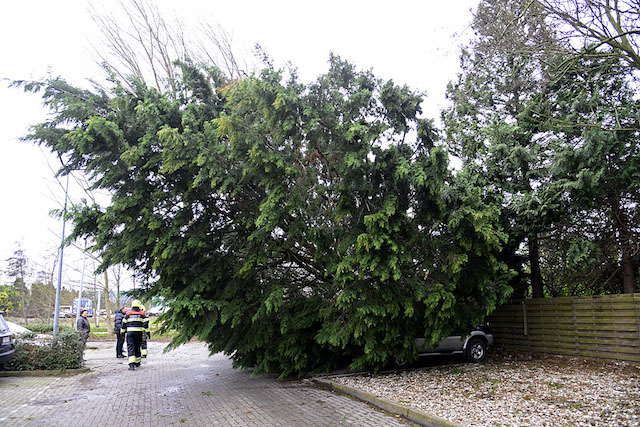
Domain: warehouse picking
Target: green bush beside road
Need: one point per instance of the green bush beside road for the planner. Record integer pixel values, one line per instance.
(59, 353)
(47, 328)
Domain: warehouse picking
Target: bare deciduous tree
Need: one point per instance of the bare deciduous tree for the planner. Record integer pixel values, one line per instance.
(141, 43)
(599, 23)
(107, 302)
(116, 271)
(559, 32)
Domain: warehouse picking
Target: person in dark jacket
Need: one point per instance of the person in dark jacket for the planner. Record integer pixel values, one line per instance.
(117, 328)
(83, 327)
(146, 335)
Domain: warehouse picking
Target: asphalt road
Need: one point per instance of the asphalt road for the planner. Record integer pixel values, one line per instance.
(185, 386)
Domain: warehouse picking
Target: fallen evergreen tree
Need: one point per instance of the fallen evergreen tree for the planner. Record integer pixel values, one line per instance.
(295, 227)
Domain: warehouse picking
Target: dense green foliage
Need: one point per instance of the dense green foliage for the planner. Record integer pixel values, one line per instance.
(62, 352)
(591, 117)
(552, 133)
(297, 227)
(9, 298)
(483, 129)
(293, 226)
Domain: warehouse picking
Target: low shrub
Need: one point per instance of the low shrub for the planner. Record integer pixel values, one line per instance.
(28, 335)
(62, 352)
(46, 328)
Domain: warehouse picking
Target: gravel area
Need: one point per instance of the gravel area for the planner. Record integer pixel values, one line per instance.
(515, 389)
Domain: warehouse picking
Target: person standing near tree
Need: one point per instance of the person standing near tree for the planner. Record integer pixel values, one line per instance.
(117, 329)
(83, 327)
(146, 335)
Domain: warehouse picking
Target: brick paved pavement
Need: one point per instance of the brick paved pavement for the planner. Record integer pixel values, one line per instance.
(181, 387)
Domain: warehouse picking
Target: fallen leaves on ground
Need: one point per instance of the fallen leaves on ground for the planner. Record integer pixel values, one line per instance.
(516, 388)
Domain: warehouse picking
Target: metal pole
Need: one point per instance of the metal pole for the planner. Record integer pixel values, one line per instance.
(84, 258)
(97, 296)
(97, 310)
(56, 316)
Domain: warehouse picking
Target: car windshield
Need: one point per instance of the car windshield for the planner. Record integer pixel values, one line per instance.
(3, 324)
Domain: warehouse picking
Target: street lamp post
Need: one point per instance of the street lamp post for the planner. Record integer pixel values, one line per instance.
(84, 258)
(56, 316)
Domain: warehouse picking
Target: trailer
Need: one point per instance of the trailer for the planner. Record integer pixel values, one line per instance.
(86, 304)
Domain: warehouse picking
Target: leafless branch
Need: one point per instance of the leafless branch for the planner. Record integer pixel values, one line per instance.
(145, 46)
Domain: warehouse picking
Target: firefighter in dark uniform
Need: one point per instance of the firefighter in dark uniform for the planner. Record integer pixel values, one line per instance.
(135, 324)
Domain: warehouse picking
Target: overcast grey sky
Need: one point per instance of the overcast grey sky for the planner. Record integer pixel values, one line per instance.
(411, 42)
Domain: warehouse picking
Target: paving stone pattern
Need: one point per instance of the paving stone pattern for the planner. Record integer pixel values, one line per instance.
(182, 387)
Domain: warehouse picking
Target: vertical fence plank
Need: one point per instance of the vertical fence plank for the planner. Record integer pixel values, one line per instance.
(636, 309)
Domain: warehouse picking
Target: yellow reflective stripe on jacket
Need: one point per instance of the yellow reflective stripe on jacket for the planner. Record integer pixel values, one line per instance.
(135, 321)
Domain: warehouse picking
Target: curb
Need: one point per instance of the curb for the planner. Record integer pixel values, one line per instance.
(44, 373)
(414, 415)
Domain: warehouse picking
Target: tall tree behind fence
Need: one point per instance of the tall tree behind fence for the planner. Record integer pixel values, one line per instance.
(606, 327)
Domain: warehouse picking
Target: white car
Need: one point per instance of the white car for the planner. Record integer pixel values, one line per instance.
(63, 315)
(7, 342)
(157, 311)
(17, 329)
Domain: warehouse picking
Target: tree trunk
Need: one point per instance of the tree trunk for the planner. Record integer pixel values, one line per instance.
(24, 305)
(534, 263)
(624, 242)
(107, 303)
(116, 275)
(628, 273)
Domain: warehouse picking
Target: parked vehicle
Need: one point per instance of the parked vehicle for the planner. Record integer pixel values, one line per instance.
(157, 311)
(7, 342)
(85, 304)
(63, 315)
(17, 329)
(473, 346)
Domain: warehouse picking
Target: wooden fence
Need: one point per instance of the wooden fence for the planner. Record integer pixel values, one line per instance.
(606, 327)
